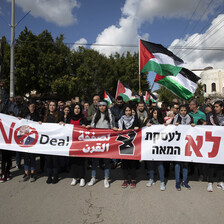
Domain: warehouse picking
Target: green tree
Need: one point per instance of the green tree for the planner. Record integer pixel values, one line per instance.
(39, 61)
(47, 65)
(5, 70)
(53, 61)
(199, 93)
(166, 95)
(65, 87)
(125, 68)
(26, 62)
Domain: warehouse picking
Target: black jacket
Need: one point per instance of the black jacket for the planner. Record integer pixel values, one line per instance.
(118, 112)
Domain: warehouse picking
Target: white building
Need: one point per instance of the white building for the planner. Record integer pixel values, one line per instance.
(213, 81)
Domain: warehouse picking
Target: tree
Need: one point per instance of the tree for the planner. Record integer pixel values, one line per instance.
(166, 95)
(47, 65)
(5, 70)
(39, 61)
(125, 68)
(53, 61)
(26, 63)
(199, 93)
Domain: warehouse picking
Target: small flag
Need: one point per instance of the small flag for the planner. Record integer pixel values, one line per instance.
(147, 97)
(124, 91)
(108, 98)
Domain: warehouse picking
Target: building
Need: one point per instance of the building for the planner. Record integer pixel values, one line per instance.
(213, 82)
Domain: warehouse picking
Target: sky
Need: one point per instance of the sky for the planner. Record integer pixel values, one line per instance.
(176, 24)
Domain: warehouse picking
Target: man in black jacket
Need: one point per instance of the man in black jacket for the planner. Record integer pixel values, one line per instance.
(118, 109)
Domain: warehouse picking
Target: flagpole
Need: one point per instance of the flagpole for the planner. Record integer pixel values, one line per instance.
(116, 89)
(139, 76)
(140, 83)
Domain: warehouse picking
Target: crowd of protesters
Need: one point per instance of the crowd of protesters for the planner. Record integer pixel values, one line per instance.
(118, 116)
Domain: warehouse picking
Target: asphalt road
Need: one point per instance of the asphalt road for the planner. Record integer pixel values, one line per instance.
(25, 202)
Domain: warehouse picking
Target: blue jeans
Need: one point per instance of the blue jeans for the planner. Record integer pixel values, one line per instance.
(177, 171)
(95, 162)
(151, 168)
(29, 161)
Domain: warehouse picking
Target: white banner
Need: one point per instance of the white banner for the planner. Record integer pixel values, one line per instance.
(28, 136)
(202, 144)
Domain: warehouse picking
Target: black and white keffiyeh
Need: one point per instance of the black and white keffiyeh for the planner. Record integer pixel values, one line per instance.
(126, 122)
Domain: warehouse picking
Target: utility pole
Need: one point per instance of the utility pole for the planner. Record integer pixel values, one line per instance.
(1, 57)
(12, 51)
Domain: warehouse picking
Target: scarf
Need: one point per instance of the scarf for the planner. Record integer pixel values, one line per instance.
(182, 120)
(74, 116)
(126, 121)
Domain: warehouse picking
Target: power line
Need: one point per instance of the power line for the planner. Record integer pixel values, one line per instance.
(196, 42)
(128, 45)
(192, 16)
(202, 30)
(202, 15)
(204, 38)
(190, 20)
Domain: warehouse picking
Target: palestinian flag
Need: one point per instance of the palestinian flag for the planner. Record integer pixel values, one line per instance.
(183, 84)
(124, 91)
(169, 69)
(155, 57)
(148, 97)
(108, 98)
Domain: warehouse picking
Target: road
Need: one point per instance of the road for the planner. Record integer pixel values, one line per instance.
(25, 202)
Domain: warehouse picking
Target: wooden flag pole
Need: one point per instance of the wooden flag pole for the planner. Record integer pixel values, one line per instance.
(139, 74)
(139, 82)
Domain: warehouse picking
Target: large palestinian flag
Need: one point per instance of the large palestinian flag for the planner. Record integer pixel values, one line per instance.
(124, 91)
(169, 69)
(183, 85)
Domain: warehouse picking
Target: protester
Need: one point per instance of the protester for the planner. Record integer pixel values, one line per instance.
(155, 118)
(61, 105)
(29, 113)
(217, 118)
(66, 113)
(85, 109)
(118, 109)
(52, 161)
(77, 163)
(195, 112)
(6, 162)
(129, 121)
(142, 113)
(208, 112)
(14, 105)
(207, 103)
(164, 108)
(103, 118)
(63, 160)
(174, 107)
(93, 108)
(68, 103)
(182, 118)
